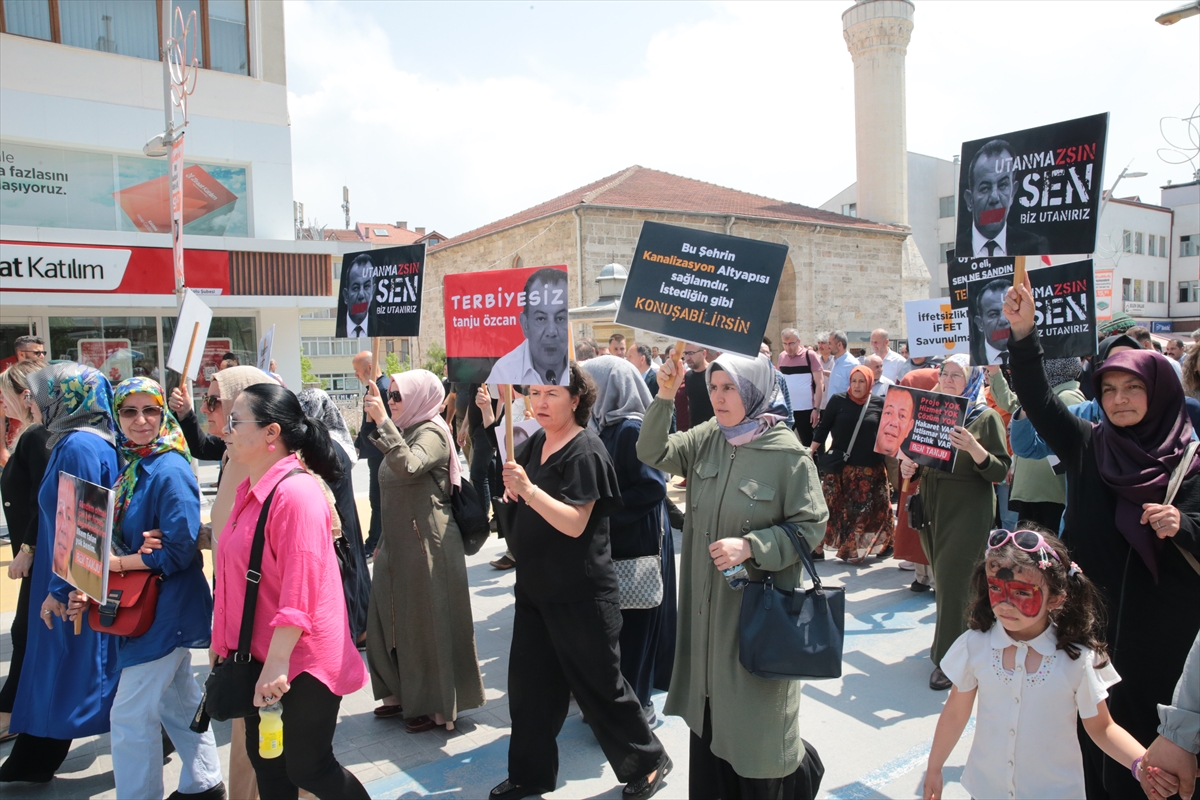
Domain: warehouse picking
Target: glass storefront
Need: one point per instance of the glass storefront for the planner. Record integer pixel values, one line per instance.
(9, 332)
(120, 347)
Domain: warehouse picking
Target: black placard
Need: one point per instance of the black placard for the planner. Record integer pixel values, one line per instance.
(1032, 192)
(381, 292)
(701, 287)
(962, 271)
(1065, 313)
(917, 424)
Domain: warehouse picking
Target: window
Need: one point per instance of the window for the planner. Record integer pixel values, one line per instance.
(132, 27)
(327, 346)
(1127, 242)
(1137, 243)
(946, 206)
(1189, 245)
(318, 313)
(120, 347)
(1189, 291)
(1162, 291)
(944, 251)
(1162, 246)
(1137, 290)
(1152, 241)
(1126, 283)
(850, 209)
(379, 231)
(344, 382)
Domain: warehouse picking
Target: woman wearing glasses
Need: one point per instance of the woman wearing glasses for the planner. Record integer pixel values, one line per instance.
(960, 505)
(420, 635)
(68, 680)
(301, 632)
(157, 491)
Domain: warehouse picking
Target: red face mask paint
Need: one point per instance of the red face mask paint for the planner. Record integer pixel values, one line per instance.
(359, 308)
(992, 215)
(1001, 333)
(1025, 597)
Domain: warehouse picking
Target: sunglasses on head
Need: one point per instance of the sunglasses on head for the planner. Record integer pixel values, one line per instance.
(1029, 541)
(210, 403)
(394, 396)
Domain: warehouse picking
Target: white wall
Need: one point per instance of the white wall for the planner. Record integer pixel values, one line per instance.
(1185, 201)
(1117, 217)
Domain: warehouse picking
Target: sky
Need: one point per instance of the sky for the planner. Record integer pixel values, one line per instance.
(453, 115)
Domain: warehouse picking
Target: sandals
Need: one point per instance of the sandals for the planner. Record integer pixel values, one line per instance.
(642, 788)
(510, 791)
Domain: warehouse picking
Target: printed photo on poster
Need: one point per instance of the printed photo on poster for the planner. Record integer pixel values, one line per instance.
(1032, 192)
(702, 287)
(962, 271)
(508, 326)
(83, 535)
(916, 424)
(381, 292)
(1064, 299)
(935, 328)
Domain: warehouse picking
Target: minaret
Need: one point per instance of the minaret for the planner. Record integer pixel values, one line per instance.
(877, 33)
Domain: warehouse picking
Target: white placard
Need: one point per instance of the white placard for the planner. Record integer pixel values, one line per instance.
(522, 430)
(265, 345)
(194, 317)
(935, 329)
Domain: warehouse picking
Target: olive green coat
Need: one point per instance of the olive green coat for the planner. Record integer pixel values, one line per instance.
(420, 635)
(1034, 480)
(735, 491)
(961, 508)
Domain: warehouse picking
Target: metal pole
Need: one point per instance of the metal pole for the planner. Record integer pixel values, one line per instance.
(168, 107)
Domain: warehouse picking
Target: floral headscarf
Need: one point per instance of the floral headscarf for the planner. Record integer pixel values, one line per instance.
(170, 437)
(755, 380)
(317, 404)
(73, 397)
(976, 403)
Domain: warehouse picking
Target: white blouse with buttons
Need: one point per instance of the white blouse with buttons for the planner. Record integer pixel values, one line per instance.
(1025, 725)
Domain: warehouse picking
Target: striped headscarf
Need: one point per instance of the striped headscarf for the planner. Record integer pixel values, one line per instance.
(170, 437)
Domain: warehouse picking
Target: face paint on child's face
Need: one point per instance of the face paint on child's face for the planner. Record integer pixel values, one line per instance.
(1025, 597)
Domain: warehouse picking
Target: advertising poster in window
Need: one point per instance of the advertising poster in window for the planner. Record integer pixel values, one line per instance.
(1032, 192)
(702, 287)
(916, 424)
(1065, 313)
(83, 535)
(508, 326)
(113, 357)
(210, 360)
(1104, 294)
(380, 292)
(53, 188)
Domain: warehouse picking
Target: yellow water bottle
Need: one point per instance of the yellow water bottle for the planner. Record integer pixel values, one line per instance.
(270, 731)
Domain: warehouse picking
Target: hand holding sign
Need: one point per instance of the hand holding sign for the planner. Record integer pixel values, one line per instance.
(516, 482)
(669, 375)
(963, 439)
(179, 402)
(51, 608)
(1019, 309)
(373, 404)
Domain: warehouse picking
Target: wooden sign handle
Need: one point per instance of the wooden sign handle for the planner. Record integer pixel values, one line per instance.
(79, 621)
(375, 355)
(508, 423)
(1018, 270)
(904, 486)
(187, 362)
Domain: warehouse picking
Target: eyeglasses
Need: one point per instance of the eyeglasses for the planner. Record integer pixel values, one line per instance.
(395, 397)
(231, 423)
(210, 403)
(1029, 541)
(151, 413)
(38, 353)
(690, 352)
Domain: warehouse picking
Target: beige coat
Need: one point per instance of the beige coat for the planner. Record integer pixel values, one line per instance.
(420, 635)
(735, 491)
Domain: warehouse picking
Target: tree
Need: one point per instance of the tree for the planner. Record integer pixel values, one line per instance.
(393, 364)
(307, 376)
(436, 360)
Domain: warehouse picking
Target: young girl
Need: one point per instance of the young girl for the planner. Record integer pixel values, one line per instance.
(1042, 666)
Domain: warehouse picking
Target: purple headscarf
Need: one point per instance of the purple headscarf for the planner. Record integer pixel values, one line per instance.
(1136, 461)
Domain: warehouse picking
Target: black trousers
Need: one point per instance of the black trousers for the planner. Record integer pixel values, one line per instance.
(560, 649)
(20, 635)
(712, 778)
(376, 527)
(803, 426)
(310, 712)
(1048, 515)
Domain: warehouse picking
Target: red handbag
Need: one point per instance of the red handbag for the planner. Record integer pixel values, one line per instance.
(130, 607)
(907, 542)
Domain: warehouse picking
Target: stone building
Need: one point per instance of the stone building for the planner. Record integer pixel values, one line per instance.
(841, 272)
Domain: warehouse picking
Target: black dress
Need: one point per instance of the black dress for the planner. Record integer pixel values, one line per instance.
(1151, 625)
(566, 623)
(356, 579)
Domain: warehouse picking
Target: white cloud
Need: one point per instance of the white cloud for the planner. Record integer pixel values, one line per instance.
(758, 97)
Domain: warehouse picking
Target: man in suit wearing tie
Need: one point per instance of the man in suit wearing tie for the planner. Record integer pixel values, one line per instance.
(989, 196)
(358, 290)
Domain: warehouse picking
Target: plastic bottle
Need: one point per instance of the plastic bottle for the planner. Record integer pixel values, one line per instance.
(270, 731)
(737, 576)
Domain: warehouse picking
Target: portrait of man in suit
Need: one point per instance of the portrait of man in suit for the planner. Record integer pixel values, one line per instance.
(990, 328)
(355, 299)
(991, 185)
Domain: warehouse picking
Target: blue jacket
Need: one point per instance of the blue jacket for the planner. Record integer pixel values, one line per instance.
(1027, 443)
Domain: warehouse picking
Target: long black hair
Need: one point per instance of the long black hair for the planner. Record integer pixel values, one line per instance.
(301, 434)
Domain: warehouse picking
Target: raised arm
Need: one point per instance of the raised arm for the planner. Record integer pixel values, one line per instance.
(428, 450)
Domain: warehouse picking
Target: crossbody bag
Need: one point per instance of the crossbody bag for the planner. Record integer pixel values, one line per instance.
(833, 461)
(1173, 489)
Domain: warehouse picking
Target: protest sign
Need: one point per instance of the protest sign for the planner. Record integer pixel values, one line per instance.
(917, 424)
(190, 332)
(508, 326)
(1032, 192)
(83, 535)
(1065, 313)
(962, 271)
(522, 430)
(935, 328)
(381, 292)
(265, 345)
(707, 288)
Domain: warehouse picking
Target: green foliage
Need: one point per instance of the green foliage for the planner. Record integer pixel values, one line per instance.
(307, 376)
(393, 364)
(435, 360)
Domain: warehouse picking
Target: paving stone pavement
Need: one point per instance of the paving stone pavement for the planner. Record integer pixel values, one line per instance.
(872, 727)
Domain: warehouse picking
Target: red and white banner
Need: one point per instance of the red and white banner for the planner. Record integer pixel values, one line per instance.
(37, 267)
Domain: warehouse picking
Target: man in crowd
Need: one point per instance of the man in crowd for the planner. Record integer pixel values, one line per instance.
(366, 371)
(1175, 349)
(1142, 334)
(585, 349)
(699, 406)
(843, 363)
(805, 380)
(655, 357)
(892, 361)
(639, 356)
(918, 362)
(616, 345)
(30, 348)
(882, 382)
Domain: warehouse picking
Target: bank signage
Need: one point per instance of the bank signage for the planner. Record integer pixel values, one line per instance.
(61, 269)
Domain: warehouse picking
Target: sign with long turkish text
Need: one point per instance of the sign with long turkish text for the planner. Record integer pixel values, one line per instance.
(935, 328)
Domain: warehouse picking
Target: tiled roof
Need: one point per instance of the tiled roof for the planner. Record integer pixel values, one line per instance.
(392, 234)
(638, 187)
(339, 235)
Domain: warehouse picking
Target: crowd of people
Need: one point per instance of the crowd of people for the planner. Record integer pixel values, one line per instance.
(1062, 550)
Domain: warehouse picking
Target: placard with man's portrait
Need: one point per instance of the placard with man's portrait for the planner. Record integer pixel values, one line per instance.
(380, 293)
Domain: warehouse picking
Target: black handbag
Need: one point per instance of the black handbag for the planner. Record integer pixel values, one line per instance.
(229, 689)
(915, 507)
(792, 635)
(471, 516)
(832, 461)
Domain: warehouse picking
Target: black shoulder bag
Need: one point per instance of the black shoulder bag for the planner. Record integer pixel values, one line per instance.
(834, 460)
(229, 689)
(470, 515)
(792, 635)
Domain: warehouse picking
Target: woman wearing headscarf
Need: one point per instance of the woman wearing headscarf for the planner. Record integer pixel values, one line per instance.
(858, 495)
(157, 491)
(357, 581)
(1039, 494)
(960, 505)
(640, 527)
(420, 634)
(1139, 550)
(67, 681)
(19, 487)
(746, 473)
